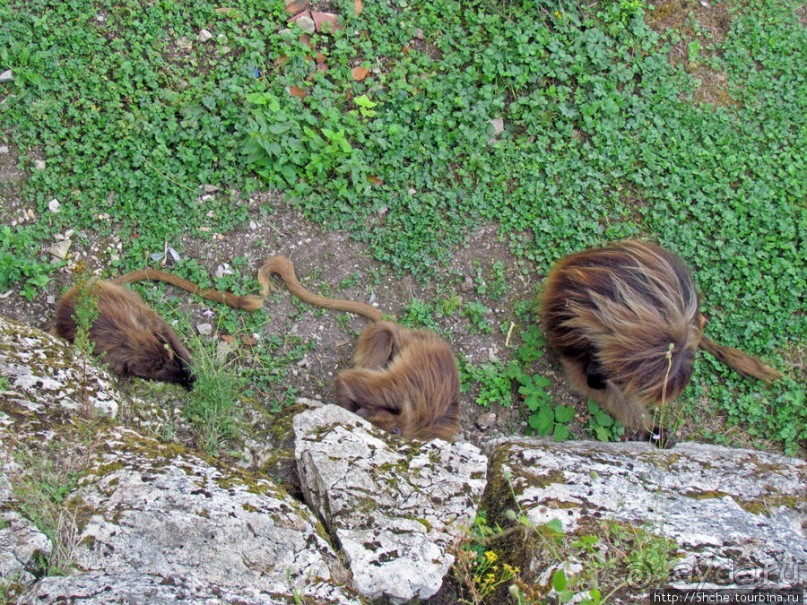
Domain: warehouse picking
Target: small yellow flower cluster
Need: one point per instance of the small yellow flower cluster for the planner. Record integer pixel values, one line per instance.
(488, 576)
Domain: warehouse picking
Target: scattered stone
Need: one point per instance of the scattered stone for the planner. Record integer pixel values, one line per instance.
(223, 350)
(253, 225)
(467, 284)
(485, 421)
(6, 76)
(297, 92)
(223, 269)
(498, 127)
(40, 164)
(359, 73)
(30, 214)
(4, 150)
(305, 22)
(205, 329)
(204, 36)
(211, 188)
(60, 249)
(184, 44)
(421, 496)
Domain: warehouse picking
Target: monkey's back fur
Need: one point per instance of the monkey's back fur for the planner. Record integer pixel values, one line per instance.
(404, 381)
(131, 338)
(625, 322)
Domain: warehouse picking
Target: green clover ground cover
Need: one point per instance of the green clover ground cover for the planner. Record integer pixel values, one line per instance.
(602, 139)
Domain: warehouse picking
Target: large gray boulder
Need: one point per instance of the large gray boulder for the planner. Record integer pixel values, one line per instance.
(736, 516)
(396, 507)
(149, 521)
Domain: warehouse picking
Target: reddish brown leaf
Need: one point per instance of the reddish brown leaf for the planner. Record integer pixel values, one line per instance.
(226, 338)
(358, 7)
(325, 22)
(297, 92)
(359, 73)
(295, 7)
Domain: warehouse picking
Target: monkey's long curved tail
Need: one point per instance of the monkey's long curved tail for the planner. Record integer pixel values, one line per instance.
(247, 303)
(742, 362)
(283, 267)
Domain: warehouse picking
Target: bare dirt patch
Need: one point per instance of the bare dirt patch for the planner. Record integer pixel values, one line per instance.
(701, 26)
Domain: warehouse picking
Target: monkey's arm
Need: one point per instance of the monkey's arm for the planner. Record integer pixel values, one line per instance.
(365, 389)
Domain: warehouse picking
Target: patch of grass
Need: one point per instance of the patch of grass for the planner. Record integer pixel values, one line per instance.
(604, 137)
(212, 406)
(41, 492)
(476, 313)
(85, 313)
(418, 314)
(17, 264)
(490, 380)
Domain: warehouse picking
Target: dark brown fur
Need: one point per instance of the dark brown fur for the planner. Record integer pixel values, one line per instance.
(132, 338)
(625, 322)
(404, 381)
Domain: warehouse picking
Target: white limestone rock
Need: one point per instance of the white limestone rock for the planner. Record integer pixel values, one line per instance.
(735, 514)
(395, 506)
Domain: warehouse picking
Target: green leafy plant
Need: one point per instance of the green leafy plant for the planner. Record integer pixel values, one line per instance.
(544, 417)
(478, 568)
(492, 380)
(476, 313)
(449, 306)
(532, 345)
(418, 314)
(491, 282)
(17, 264)
(602, 425)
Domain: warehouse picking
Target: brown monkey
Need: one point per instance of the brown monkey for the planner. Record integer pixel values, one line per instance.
(132, 338)
(404, 381)
(625, 322)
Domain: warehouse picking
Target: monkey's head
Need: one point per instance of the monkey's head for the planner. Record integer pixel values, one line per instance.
(159, 355)
(383, 419)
